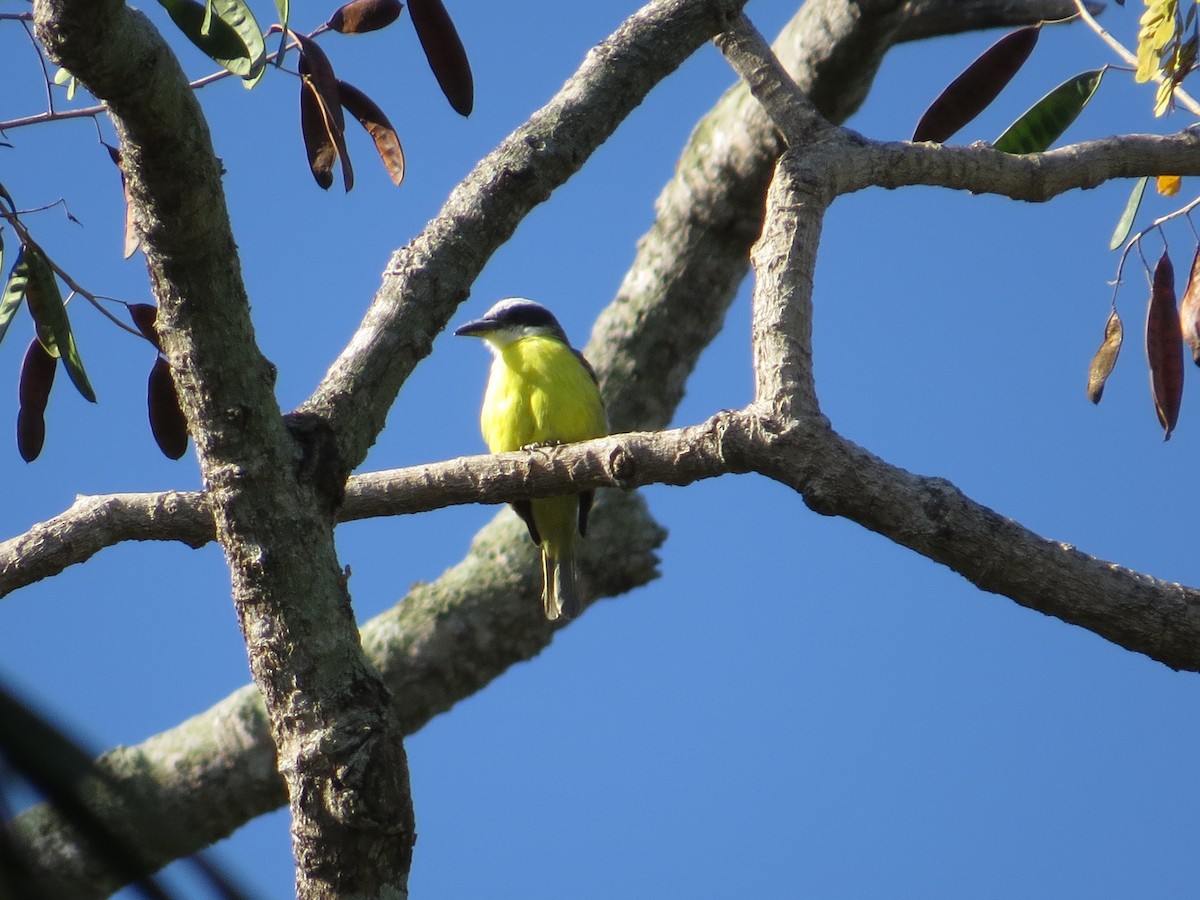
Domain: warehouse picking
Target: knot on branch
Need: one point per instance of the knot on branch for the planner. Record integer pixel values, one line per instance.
(622, 468)
(320, 465)
(939, 501)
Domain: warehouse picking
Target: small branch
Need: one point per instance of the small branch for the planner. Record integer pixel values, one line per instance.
(1034, 177)
(751, 57)
(93, 523)
(929, 515)
(1136, 241)
(37, 49)
(13, 219)
(1186, 100)
(935, 18)
(99, 109)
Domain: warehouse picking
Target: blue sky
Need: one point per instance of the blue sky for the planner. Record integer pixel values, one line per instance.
(797, 707)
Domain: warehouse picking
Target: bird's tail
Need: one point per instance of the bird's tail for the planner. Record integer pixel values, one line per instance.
(560, 594)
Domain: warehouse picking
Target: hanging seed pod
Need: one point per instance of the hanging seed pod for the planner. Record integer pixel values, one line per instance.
(317, 73)
(1106, 357)
(980, 83)
(445, 53)
(1164, 346)
(373, 119)
(318, 142)
(361, 16)
(167, 423)
(1189, 309)
(31, 433)
(145, 318)
(37, 377)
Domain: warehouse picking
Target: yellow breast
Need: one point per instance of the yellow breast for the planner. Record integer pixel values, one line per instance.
(539, 392)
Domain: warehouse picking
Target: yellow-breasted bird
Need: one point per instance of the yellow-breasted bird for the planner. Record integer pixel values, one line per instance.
(540, 392)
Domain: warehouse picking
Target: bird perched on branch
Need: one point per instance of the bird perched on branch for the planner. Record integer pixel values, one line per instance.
(540, 392)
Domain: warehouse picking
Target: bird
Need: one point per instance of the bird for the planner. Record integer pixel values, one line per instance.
(540, 392)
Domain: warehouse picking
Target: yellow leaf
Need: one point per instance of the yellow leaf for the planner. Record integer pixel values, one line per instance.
(1164, 97)
(1147, 64)
(1168, 185)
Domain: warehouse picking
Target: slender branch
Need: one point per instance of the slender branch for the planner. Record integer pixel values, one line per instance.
(1035, 177)
(14, 219)
(37, 49)
(93, 523)
(99, 109)
(1186, 100)
(1153, 617)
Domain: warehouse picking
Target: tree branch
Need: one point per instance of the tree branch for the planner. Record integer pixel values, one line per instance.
(673, 300)
(271, 488)
(643, 392)
(935, 18)
(196, 783)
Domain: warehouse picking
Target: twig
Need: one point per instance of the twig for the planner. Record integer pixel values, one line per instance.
(1182, 97)
(13, 219)
(37, 49)
(1136, 240)
(100, 109)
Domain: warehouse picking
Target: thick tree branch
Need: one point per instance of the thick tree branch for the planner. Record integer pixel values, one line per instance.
(93, 523)
(271, 489)
(835, 477)
(1037, 177)
(217, 770)
(934, 18)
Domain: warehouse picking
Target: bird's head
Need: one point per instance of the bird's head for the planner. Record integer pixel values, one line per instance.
(512, 319)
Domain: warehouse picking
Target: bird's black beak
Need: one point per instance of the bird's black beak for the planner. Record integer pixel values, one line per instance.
(476, 328)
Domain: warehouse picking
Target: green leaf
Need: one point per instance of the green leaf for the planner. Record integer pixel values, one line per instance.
(63, 77)
(14, 292)
(1125, 225)
(50, 316)
(232, 38)
(1045, 121)
(283, 7)
(237, 14)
